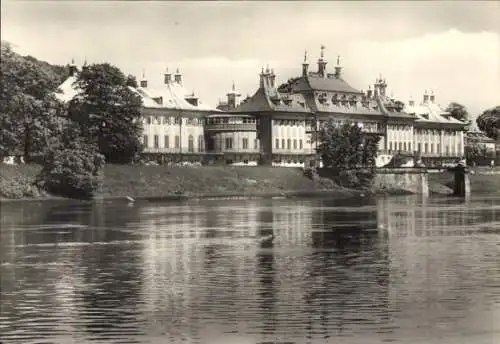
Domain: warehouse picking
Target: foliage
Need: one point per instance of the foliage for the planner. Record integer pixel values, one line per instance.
(287, 86)
(489, 122)
(350, 151)
(108, 112)
(29, 112)
(18, 181)
(346, 146)
(71, 166)
(458, 111)
(475, 153)
(132, 81)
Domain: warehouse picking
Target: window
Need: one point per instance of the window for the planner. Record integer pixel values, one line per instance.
(166, 141)
(432, 147)
(190, 144)
(426, 146)
(294, 143)
(177, 120)
(420, 147)
(282, 143)
(201, 143)
(149, 119)
(157, 120)
(404, 146)
(245, 143)
(390, 145)
(229, 143)
(288, 144)
(255, 144)
(145, 140)
(277, 143)
(438, 148)
(400, 146)
(409, 146)
(156, 141)
(177, 141)
(301, 144)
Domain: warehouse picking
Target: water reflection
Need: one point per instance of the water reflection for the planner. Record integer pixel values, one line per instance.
(404, 269)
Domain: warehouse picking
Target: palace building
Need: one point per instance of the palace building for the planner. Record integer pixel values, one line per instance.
(277, 125)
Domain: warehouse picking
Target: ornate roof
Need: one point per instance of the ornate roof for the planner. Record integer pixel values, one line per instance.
(330, 83)
(430, 112)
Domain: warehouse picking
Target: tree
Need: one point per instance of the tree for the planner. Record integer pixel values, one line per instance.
(459, 112)
(29, 112)
(71, 166)
(108, 112)
(349, 151)
(489, 122)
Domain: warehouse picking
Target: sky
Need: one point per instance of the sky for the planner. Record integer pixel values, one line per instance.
(451, 48)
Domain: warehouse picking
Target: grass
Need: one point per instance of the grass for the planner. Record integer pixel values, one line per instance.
(16, 182)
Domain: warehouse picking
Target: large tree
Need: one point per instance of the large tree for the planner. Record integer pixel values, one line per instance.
(489, 122)
(108, 112)
(29, 112)
(346, 146)
(458, 111)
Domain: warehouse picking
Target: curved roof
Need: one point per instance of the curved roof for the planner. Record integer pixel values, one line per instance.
(314, 82)
(269, 99)
(430, 112)
(67, 90)
(173, 96)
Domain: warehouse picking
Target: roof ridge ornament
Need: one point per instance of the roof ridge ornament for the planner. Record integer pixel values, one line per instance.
(338, 60)
(322, 48)
(305, 56)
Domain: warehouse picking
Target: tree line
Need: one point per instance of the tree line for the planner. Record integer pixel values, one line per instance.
(72, 140)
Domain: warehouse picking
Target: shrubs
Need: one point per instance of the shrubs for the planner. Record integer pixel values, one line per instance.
(72, 172)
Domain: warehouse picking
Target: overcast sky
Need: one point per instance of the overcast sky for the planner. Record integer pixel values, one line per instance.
(452, 48)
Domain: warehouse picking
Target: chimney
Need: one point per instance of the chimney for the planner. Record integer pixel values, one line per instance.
(426, 97)
(305, 65)
(338, 69)
(178, 77)
(144, 81)
(272, 78)
(369, 93)
(322, 63)
(72, 68)
(263, 78)
(167, 77)
(432, 97)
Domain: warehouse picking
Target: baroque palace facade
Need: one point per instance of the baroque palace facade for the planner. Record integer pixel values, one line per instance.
(277, 125)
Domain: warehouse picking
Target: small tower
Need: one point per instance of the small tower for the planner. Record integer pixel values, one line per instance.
(305, 65)
(178, 77)
(167, 77)
(381, 86)
(338, 69)
(411, 102)
(232, 98)
(72, 68)
(144, 81)
(322, 63)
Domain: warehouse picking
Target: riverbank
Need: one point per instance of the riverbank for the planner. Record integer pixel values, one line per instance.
(161, 183)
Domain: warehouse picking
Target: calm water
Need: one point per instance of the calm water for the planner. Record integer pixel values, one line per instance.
(388, 270)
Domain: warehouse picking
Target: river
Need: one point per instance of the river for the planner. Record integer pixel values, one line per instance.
(397, 269)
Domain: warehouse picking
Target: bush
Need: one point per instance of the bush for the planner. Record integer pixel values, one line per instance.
(72, 172)
(356, 179)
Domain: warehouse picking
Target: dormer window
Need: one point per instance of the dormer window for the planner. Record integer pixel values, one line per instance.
(192, 101)
(322, 98)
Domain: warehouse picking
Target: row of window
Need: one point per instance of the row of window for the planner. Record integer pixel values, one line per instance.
(177, 142)
(158, 120)
(230, 120)
(228, 143)
(289, 144)
(293, 123)
(427, 147)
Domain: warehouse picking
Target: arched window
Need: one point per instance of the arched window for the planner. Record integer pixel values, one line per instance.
(201, 143)
(190, 144)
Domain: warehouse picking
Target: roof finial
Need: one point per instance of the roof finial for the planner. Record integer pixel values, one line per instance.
(177, 70)
(338, 60)
(143, 73)
(85, 61)
(322, 50)
(233, 88)
(267, 68)
(72, 61)
(305, 56)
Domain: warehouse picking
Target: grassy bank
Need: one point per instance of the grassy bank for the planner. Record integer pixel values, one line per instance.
(161, 182)
(155, 182)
